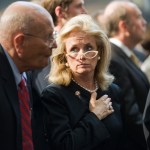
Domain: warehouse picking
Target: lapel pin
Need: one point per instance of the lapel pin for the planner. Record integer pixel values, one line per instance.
(77, 93)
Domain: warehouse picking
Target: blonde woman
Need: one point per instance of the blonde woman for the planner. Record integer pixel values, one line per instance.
(79, 106)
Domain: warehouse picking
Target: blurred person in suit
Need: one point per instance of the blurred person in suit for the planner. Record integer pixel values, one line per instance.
(126, 27)
(61, 11)
(142, 49)
(140, 53)
(26, 42)
(80, 104)
(146, 46)
(146, 67)
(146, 123)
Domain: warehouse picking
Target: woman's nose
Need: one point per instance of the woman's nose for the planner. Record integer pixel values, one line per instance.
(81, 55)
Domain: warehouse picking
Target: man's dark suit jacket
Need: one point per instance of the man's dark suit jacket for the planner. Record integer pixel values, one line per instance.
(146, 118)
(10, 124)
(135, 87)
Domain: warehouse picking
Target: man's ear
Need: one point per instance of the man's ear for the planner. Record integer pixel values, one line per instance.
(123, 27)
(59, 12)
(18, 42)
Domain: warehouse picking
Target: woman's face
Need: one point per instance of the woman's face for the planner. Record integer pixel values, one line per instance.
(79, 59)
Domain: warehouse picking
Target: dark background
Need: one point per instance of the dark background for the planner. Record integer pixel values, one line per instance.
(93, 5)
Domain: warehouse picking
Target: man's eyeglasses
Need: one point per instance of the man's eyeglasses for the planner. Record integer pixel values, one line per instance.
(88, 54)
(50, 40)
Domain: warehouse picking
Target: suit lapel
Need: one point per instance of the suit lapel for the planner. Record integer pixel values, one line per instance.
(129, 62)
(9, 84)
(138, 71)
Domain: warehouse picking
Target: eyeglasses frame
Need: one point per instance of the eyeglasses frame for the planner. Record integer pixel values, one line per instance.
(96, 52)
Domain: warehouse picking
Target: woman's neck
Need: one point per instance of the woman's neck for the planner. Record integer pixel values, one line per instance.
(85, 81)
(91, 90)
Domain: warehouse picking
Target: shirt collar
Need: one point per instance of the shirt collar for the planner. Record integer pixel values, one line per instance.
(15, 70)
(124, 48)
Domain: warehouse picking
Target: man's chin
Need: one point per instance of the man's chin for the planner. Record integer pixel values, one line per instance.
(41, 65)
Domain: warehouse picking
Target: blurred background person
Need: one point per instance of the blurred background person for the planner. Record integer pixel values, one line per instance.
(146, 45)
(146, 67)
(61, 11)
(146, 123)
(80, 106)
(24, 45)
(142, 49)
(126, 27)
(140, 52)
(94, 5)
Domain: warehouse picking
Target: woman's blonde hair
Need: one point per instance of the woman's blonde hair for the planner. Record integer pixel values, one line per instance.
(60, 73)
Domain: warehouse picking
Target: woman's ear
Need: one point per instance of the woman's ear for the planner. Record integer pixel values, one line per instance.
(123, 27)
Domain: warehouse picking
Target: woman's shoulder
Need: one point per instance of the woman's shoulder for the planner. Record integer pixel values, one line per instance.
(53, 88)
(54, 93)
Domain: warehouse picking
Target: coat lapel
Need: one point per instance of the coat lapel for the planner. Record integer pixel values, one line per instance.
(10, 88)
(129, 62)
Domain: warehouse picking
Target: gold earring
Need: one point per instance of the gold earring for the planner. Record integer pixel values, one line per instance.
(98, 58)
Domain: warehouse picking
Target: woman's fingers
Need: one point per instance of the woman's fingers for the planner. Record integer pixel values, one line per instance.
(101, 107)
(93, 99)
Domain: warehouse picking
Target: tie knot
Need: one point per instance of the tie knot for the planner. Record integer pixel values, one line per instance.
(22, 83)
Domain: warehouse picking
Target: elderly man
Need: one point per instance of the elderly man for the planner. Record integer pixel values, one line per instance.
(126, 27)
(26, 42)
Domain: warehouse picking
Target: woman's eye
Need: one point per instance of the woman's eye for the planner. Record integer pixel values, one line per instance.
(88, 48)
(74, 50)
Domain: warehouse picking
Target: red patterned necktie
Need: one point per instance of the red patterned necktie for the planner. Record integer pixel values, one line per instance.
(24, 99)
